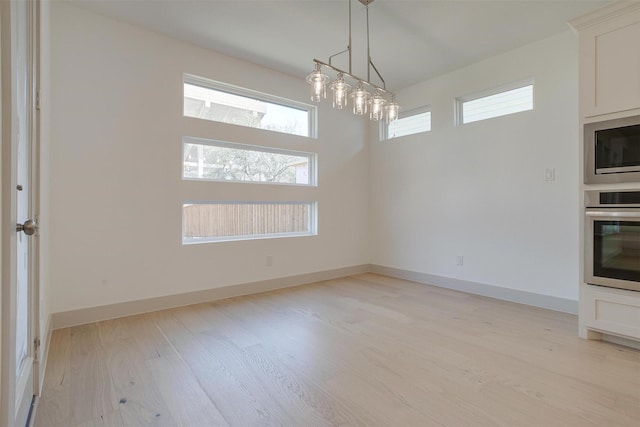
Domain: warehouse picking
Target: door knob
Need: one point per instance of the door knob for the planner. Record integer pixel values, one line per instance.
(29, 227)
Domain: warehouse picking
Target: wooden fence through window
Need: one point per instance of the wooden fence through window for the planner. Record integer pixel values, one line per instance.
(244, 219)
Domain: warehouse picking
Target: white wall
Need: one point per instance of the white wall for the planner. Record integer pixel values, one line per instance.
(478, 190)
(116, 191)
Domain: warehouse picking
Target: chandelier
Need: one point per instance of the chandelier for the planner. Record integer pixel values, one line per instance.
(380, 103)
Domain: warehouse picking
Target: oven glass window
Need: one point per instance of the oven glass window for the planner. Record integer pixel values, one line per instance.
(618, 148)
(616, 250)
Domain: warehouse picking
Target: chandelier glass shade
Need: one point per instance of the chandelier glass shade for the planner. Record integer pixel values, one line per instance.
(377, 106)
(360, 100)
(318, 82)
(340, 91)
(392, 109)
(381, 105)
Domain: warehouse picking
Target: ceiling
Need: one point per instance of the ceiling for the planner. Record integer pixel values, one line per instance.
(410, 40)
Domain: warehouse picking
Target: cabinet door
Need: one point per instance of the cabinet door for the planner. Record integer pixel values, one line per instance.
(610, 66)
(608, 310)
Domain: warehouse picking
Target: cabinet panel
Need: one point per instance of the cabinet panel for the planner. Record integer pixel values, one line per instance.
(609, 60)
(617, 70)
(611, 310)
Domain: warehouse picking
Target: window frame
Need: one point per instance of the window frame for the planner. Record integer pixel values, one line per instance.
(384, 126)
(313, 161)
(313, 221)
(459, 101)
(312, 110)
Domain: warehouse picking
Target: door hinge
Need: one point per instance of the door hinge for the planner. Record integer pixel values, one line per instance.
(37, 99)
(36, 348)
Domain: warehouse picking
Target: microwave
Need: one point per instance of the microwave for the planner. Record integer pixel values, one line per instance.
(612, 151)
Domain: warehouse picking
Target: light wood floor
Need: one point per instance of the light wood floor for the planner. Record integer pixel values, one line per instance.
(364, 350)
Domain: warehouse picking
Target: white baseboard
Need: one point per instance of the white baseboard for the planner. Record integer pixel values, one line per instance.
(497, 292)
(129, 308)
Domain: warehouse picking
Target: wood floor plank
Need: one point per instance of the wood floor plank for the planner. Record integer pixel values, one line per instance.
(307, 404)
(92, 395)
(149, 337)
(238, 395)
(535, 362)
(185, 399)
(383, 376)
(273, 379)
(213, 320)
(362, 350)
(359, 394)
(110, 419)
(139, 401)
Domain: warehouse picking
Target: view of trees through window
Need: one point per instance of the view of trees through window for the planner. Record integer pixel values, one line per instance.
(224, 163)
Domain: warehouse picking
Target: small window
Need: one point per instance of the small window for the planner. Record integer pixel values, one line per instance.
(224, 221)
(409, 123)
(209, 160)
(210, 100)
(496, 103)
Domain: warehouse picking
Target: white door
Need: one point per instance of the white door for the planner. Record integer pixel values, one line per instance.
(19, 309)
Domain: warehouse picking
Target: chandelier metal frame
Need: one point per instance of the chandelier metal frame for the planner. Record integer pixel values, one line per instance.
(382, 99)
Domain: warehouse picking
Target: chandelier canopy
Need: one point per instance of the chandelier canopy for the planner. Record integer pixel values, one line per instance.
(380, 104)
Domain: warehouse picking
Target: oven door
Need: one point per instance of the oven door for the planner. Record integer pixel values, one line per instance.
(612, 248)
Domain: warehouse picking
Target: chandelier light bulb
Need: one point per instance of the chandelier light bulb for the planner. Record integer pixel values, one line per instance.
(360, 100)
(340, 91)
(377, 104)
(392, 110)
(318, 82)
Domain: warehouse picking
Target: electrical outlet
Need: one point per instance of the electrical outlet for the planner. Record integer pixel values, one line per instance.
(269, 261)
(459, 260)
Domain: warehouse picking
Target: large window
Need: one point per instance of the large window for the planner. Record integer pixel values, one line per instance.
(211, 100)
(224, 221)
(252, 213)
(224, 161)
(495, 103)
(408, 123)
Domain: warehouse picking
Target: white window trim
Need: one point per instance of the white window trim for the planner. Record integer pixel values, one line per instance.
(313, 161)
(493, 91)
(384, 127)
(313, 222)
(260, 96)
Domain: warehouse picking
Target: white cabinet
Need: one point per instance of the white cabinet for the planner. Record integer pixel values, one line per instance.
(612, 311)
(609, 42)
(609, 88)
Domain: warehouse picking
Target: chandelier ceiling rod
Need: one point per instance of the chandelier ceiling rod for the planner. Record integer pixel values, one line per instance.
(370, 63)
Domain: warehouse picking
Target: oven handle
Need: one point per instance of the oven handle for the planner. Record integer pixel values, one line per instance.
(631, 213)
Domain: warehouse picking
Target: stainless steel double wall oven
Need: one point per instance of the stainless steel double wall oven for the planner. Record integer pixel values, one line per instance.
(612, 217)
